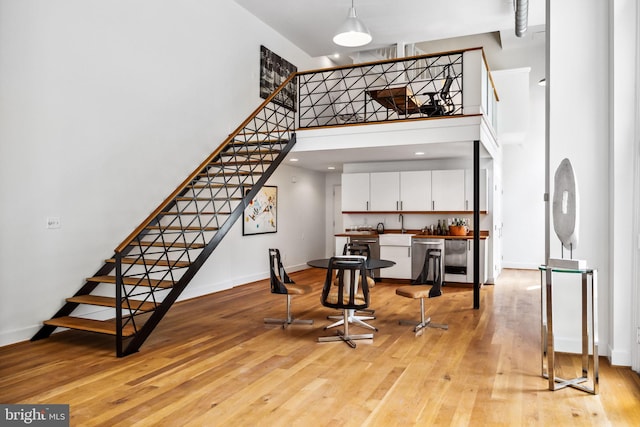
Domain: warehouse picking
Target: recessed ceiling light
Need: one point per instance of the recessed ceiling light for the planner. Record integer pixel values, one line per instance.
(419, 153)
(293, 160)
(331, 168)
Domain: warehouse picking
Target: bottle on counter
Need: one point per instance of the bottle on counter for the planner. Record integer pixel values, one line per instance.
(439, 229)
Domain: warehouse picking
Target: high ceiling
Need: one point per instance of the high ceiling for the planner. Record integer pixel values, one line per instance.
(311, 24)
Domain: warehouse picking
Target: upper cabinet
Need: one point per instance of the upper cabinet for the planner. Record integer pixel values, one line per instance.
(355, 192)
(412, 191)
(400, 191)
(415, 191)
(447, 190)
(385, 191)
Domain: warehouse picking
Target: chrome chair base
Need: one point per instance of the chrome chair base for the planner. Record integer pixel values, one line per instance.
(289, 320)
(425, 322)
(353, 319)
(347, 339)
(345, 335)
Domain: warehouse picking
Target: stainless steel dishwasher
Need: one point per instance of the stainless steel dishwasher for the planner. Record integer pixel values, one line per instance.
(455, 260)
(374, 247)
(419, 247)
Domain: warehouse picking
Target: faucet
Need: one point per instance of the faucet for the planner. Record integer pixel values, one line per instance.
(402, 230)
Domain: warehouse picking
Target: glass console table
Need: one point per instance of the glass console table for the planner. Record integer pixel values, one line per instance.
(546, 320)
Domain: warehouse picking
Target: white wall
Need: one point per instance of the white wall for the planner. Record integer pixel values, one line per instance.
(595, 132)
(105, 107)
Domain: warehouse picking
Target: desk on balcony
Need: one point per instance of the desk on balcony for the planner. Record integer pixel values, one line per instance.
(399, 99)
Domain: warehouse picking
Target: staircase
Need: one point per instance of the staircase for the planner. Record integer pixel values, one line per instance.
(153, 265)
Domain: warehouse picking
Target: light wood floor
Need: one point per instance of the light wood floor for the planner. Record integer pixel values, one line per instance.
(212, 362)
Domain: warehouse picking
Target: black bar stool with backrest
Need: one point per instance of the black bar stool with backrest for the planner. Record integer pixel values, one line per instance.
(281, 283)
(420, 291)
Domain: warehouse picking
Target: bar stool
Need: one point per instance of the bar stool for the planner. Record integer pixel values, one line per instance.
(422, 291)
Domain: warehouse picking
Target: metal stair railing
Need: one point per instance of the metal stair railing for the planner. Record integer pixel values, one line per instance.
(154, 264)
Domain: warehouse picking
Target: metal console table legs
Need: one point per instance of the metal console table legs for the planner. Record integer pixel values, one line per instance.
(548, 354)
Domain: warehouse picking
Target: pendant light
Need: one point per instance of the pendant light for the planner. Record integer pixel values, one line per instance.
(352, 33)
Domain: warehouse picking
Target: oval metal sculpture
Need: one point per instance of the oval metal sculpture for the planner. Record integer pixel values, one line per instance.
(566, 217)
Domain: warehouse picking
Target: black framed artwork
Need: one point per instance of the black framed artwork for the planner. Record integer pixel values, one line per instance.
(261, 214)
(273, 72)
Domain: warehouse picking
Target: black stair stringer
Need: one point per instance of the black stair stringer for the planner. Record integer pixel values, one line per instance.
(148, 327)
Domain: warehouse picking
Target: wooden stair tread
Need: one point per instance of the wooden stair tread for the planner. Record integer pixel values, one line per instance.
(158, 244)
(207, 199)
(111, 302)
(195, 213)
(178, 228)
(232, 164)
(234, 173)
(211, 185)
(239, 142)
(100, 326)
(152, 262)
(252, 153)
(132, 281)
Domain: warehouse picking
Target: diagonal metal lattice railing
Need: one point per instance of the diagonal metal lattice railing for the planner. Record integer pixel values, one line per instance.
(413, 87)
(153, 265)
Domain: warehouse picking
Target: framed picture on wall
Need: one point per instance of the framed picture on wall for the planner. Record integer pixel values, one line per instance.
(261, 215)
(273, 72)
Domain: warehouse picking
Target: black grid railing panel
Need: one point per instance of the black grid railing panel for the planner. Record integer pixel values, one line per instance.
(418, 87)
(193, 219)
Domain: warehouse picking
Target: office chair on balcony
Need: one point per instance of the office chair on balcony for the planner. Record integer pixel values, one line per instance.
(439, 103)
(345, 289)
(281, 283)
(422, 292)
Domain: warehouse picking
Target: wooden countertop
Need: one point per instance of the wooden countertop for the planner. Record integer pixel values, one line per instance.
(417, 233)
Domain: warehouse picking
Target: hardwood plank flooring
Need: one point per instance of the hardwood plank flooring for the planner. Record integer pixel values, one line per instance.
(213, 362)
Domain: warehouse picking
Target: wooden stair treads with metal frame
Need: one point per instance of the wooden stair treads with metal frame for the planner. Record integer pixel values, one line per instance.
(101, 301)
(203, 199)
(100, 326)
(152, 262)
(196, 216)
(133, 281)
(189, 229)
(181, 245)
(169, 213)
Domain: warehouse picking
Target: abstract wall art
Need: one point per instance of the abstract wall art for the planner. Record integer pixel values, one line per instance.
(261, 214)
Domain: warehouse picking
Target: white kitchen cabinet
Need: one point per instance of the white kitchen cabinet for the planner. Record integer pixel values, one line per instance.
(468, 189)
(385, 191)
(401, 255)
(415, 191)
(355, 192)
(397, 248)
(447, 190)
(401, 191)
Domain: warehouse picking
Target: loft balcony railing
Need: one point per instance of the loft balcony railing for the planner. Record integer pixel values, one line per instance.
(436, 85)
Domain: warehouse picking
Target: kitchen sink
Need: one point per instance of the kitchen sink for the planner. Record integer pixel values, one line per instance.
(395, 239)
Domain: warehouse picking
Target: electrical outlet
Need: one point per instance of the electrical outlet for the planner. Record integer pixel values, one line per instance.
(53, 222)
